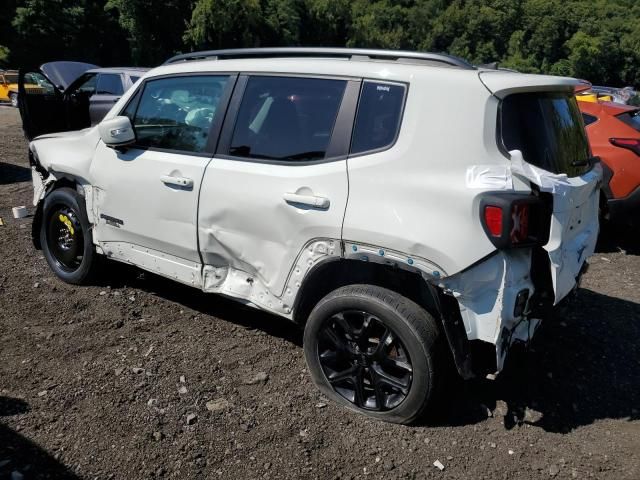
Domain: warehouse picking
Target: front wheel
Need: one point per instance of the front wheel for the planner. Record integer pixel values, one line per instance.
(374, 351)
(13, 97)
(65, 236)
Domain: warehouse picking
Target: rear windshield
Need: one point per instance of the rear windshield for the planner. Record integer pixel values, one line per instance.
(548, 129)
(631, 118)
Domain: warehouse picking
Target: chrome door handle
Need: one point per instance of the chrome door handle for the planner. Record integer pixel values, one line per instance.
(308, 200)
(178, 181)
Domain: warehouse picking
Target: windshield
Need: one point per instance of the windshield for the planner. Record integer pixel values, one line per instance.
(11, 78)
(632, 119)
(548, 129)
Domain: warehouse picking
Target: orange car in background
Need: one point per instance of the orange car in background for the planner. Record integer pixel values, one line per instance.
(614, 134)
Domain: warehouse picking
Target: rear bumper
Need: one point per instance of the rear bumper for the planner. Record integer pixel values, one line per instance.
(503, 300)
(625, 210)
(488, 296)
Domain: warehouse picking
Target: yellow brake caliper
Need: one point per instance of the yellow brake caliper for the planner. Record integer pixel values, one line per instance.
(64, 219)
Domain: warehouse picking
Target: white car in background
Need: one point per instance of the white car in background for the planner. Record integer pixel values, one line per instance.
(346, 191)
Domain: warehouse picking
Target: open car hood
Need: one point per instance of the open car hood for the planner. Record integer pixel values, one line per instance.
(62, 74)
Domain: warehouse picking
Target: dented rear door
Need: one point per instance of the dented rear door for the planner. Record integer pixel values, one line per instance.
(278, 182)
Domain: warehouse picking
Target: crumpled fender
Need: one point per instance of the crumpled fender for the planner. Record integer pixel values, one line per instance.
(66, 154)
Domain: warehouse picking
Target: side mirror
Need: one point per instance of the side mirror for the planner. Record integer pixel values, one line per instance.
(117, 132)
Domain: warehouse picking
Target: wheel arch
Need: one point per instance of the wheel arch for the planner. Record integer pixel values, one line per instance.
(37, 216)
(339, 272)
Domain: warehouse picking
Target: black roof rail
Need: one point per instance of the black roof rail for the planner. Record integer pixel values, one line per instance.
(349, 53)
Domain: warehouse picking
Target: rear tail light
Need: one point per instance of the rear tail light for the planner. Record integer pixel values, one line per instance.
(515, 220)
(493, 220)
(632, 144)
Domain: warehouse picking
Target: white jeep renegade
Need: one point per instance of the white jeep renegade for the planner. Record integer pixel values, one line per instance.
(407, 208)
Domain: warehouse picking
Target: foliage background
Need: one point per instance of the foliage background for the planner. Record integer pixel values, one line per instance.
(594, 39)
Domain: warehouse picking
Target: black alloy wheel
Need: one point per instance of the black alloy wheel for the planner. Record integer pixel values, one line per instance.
(364, 360)
(375, 352)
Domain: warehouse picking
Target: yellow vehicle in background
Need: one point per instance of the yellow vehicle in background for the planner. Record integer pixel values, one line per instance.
(594, 97)
(9, 86)
(8, 79)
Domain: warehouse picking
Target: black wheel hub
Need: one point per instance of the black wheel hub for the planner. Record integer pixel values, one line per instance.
(65, 239)
(364, 360)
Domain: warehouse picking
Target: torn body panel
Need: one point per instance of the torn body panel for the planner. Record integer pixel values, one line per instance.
(487, 295)
(574, 220)
(249, 287)
(494, 294)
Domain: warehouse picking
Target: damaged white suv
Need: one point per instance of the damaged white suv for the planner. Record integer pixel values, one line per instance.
(407, 208)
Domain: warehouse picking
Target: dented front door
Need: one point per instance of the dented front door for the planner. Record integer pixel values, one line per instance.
(146, 195)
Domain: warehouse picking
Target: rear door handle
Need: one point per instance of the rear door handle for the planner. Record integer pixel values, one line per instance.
(308, 200)
(178, 181)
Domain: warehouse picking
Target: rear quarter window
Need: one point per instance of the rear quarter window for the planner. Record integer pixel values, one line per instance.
(378, 118)
(548, 129)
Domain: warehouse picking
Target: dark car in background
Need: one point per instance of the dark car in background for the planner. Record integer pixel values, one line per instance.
(77, 95)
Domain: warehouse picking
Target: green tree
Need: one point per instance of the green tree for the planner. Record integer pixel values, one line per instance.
(595, 39)
(325, 22)
(4, 55)
(380, 24)
(46, 30)
(154, 28)
(224, 23)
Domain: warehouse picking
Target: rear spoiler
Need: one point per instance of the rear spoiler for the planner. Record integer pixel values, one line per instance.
(502, 83)
(584, 86)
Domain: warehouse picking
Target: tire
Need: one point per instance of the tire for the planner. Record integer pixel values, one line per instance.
(13, 97)
(398, 374)
(65, 236)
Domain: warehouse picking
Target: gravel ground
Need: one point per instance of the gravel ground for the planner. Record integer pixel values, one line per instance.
(139, 377)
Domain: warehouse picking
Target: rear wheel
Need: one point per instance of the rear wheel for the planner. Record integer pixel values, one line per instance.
(65, 236)
(13, 97)
(373, 351)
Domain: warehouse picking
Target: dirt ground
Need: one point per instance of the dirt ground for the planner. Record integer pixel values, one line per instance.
(98, 382)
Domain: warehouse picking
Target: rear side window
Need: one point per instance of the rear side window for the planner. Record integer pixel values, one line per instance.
(631, 118)
(109, 84)
(588, 119)
(176, 113)
(379, 116)
(286, 119)
(548, 129)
